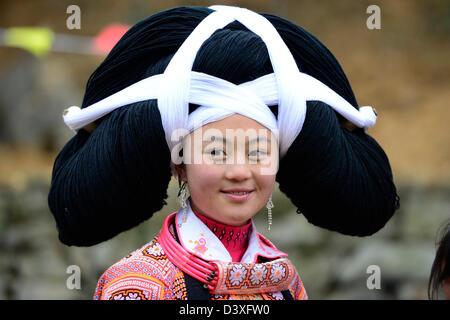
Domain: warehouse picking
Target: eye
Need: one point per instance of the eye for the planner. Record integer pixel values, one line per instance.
(216, 152)
(258, 154)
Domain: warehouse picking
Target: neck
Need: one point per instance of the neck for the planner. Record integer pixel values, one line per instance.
(235, 239)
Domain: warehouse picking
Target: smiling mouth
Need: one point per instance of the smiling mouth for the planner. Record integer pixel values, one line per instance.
(238, 196)
(237, 190)
(240, 192)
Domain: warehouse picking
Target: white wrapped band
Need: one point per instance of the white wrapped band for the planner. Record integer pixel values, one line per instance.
(178, 86)
(291, 101)
(211, 93)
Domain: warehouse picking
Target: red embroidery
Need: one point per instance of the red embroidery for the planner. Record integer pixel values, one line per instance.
(244, 278)
(130, 294)
(147, 274)
(235, 239)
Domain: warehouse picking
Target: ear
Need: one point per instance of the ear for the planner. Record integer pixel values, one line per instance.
(181, 171)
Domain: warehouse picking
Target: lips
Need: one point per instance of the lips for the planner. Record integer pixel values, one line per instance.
(237, 190)
(238, 194)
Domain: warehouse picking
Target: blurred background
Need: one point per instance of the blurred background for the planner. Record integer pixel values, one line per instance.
(402, 69)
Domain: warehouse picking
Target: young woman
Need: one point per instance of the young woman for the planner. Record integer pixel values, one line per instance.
(228, 101)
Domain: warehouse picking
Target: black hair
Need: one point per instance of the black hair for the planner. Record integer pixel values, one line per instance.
(440, 270)
(116, 177)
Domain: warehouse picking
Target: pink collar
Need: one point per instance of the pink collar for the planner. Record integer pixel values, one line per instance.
(226, 277)
(198, 239)
(234, 239)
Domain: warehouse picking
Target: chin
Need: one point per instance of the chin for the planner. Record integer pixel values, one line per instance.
(238, 221)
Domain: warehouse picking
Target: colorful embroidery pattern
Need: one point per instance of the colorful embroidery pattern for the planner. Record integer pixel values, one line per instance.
(243, 278)
(200, 246)
(147, 274)
(234, 237)
(154, 250)
(131, 294)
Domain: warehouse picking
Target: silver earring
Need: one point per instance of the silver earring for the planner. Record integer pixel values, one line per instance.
(182, 195)
(182, 198)
(269, 207)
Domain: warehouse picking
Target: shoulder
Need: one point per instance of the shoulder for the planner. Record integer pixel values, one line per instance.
(145, 274)
(297, 288)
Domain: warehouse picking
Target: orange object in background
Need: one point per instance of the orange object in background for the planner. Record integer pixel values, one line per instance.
(108, 37)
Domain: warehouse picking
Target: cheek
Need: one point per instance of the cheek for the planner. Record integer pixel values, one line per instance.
(266, 183)
(202, 178)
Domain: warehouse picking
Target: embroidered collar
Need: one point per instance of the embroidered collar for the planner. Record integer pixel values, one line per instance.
(234, 238)
(226, 277)
(199, 240)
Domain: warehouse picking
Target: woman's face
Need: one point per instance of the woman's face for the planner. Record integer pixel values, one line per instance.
(232, 155)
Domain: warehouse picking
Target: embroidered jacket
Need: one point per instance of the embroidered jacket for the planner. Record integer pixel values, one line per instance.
(147, 273)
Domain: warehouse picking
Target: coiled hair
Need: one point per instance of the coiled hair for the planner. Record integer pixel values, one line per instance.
(112, 179)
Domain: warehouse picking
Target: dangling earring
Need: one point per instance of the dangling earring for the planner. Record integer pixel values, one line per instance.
(182, 197)
(269, 207)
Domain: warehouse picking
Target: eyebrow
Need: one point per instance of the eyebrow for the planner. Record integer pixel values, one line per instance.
(220, 138)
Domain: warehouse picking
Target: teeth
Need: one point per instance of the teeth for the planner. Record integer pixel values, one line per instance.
(238, 192)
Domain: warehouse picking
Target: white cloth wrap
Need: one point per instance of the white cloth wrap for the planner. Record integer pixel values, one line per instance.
(179, 85)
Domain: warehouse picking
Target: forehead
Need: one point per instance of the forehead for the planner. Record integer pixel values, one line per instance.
(230, 128)
(235, 121)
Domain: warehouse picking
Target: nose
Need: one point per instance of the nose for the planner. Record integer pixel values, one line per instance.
(238, 172)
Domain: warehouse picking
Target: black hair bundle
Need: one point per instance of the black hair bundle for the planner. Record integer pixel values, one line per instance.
(112, 179)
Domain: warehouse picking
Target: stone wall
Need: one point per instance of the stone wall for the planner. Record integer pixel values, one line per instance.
(33, 263)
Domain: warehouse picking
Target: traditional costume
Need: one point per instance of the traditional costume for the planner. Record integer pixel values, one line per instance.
(175, 72)
(191, 260)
